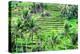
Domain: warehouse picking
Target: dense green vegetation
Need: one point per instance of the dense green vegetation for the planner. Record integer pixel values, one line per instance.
(42, 26)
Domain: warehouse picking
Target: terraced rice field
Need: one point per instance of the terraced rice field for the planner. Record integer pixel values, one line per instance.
(30, 29)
